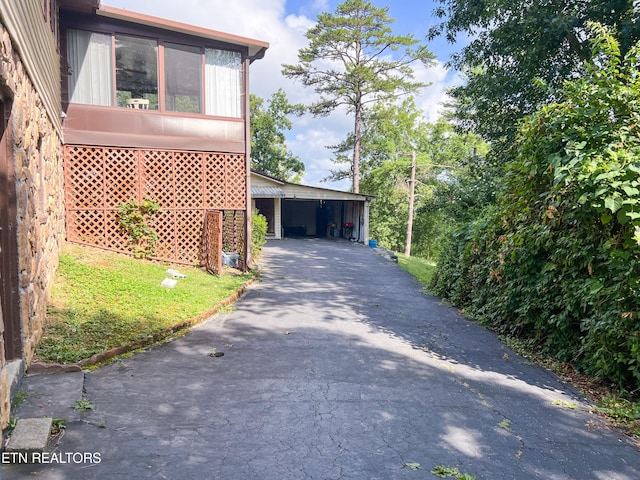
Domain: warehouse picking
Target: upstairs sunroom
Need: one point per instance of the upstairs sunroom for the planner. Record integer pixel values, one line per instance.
(191, 82)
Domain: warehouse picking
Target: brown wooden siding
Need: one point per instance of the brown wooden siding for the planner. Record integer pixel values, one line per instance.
(120, 127)
(37, 45)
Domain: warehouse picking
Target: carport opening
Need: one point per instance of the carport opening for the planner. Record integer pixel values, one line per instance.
(314, 218)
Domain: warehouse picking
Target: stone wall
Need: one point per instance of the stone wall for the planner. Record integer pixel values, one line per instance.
(37, 150)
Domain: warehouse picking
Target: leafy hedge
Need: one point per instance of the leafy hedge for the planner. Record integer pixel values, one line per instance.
(557, 261)
(259, 226)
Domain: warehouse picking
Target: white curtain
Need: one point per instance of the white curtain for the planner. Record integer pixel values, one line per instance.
(223, 87)
(89, 56)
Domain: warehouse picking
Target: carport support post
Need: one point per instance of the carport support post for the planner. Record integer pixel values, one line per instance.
(412, 194)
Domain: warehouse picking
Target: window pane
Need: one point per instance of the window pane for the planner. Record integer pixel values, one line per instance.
(183, 78)
(136, 72)
(223, 89)
(89, 57)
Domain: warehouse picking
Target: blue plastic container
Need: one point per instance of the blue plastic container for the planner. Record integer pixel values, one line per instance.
(373, 243)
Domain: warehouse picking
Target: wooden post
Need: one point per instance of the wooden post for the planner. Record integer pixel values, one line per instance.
(412, 194)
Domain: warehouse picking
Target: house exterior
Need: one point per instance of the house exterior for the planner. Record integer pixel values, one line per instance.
(103, 106)
(31, 180)
(294, 210)
(157, 110)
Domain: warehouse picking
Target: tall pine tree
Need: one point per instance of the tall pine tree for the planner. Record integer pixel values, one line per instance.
(354, 59)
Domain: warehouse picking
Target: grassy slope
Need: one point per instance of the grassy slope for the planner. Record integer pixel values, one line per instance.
(420, 268)
(103, 300)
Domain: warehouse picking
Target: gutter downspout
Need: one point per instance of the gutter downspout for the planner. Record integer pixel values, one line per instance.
(247, 142)
(247, 146)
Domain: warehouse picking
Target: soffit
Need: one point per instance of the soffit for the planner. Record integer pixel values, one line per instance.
(256, 48)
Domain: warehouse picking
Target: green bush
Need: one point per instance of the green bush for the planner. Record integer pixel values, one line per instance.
(258, 233)
(136, 221)
(558, 260)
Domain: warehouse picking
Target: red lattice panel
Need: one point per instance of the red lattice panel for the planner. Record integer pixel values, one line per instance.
(121, 176)
(185, 184)
(188, 235)
(214, 174)
(233, 233)
(115, 239)
(212, 242)
(158, 177)
(88, 227)
(84, 179)
(189, 179)
(236, 187)
(164, 226)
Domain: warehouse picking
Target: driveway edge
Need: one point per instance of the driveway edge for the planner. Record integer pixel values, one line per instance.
(38, 368)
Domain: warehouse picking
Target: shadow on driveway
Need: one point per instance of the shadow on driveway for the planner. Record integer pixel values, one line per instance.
(336, 366)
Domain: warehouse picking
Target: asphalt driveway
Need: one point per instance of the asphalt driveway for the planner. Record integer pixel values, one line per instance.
(335, 366)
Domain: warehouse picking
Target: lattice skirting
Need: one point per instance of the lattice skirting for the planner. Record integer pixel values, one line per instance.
(185, 184)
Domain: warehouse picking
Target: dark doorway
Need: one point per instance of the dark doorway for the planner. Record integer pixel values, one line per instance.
(266, 208)
(8, 237)
(322, 219)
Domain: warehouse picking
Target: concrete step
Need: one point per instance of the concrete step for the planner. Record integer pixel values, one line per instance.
(31, 435)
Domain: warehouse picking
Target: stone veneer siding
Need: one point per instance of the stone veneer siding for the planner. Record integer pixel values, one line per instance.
(37, 151)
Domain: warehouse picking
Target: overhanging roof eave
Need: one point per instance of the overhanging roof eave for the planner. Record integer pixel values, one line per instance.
(256, 48)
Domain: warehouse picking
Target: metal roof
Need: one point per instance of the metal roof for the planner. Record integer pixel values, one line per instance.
(267, 192)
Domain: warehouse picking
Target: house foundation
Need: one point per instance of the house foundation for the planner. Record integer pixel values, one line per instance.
(34, 213)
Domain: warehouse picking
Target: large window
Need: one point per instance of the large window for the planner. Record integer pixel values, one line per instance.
(89, 59)
(223, 83)
(183, 78)
(136, 72)
(195, 79)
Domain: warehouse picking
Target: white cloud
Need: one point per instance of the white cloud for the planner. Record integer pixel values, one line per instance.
(300, 23)
(431, 99)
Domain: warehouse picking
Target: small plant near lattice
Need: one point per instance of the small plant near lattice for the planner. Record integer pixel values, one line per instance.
(258, 233)
(136, 221)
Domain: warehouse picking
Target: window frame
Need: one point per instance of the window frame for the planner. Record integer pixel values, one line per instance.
(163, 37)
(202, 96)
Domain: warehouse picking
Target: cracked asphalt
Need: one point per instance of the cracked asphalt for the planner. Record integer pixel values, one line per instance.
(335, 366)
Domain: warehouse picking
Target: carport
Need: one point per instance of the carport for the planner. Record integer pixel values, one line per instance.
(294, 210)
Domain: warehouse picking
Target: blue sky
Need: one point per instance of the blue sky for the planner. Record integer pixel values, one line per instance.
(283, 23)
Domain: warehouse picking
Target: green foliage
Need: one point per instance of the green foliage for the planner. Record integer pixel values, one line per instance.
(258, 233)
(136, 221)
(443, 471)
(520, 54)
(557, 261)
(83, 404)
(102, 300)
(354, 59)
(269, 152)
(388, 134)
(420, 268)
(624, 412)
(13, 423)
(446, 163)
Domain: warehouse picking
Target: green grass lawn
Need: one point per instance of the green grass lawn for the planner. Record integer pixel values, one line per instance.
(420, 268)
(102, 300)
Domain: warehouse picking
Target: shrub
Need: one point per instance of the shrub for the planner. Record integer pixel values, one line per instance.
(258, 233)
(136, 221)
(558, 260)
